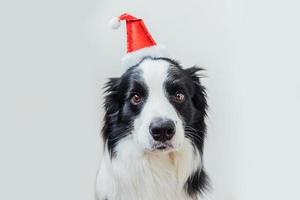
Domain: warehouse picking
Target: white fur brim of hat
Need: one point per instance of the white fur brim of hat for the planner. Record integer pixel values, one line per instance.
(134, 58)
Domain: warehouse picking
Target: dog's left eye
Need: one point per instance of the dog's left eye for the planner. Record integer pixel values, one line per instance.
(136, 99)
(178, 97)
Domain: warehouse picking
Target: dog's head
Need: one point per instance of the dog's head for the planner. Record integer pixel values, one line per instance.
(157, 105)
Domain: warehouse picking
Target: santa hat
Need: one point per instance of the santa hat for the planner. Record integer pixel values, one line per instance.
(140, 43)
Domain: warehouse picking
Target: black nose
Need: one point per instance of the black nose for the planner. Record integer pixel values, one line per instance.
(162, 130)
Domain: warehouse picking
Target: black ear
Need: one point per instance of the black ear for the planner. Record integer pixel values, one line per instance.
(199, 95)
(111, 105)
(111, 100)
(199, 181)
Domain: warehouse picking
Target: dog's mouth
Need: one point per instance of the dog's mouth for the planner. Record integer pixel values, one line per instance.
(160, 146)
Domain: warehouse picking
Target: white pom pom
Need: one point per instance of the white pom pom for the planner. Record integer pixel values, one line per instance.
(115, 23)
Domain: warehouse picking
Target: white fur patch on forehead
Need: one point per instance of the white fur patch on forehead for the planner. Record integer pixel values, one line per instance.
(154, 72)
(157, 104)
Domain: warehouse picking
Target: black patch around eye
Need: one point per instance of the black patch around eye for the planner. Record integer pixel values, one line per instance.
(136, 86)
(139, 88)
(172, 89)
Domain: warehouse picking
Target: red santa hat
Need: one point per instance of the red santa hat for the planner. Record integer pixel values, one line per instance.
(140, 43)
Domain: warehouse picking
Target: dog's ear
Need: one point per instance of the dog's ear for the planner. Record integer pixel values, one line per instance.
(111, 102)
(199, 94)
(111, 106)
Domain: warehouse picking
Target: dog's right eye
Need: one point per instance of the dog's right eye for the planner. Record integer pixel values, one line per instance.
(179, 97)
(136, 99)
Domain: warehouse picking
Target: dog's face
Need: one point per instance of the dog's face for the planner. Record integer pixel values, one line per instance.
(157, 105)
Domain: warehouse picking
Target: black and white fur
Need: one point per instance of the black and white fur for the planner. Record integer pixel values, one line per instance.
(134, 165)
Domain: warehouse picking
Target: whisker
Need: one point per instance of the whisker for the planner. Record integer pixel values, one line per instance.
(193, 133)
(194, 136)
(119, 137)
(193, 129)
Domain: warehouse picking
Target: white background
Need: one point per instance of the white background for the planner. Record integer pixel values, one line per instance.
(56, 55)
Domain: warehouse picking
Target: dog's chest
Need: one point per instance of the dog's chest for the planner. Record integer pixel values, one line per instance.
(144, 179)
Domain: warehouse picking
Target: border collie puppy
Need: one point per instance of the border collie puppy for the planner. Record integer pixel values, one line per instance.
(154, 129)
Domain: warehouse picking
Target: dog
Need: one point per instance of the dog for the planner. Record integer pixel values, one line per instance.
(153, 133)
